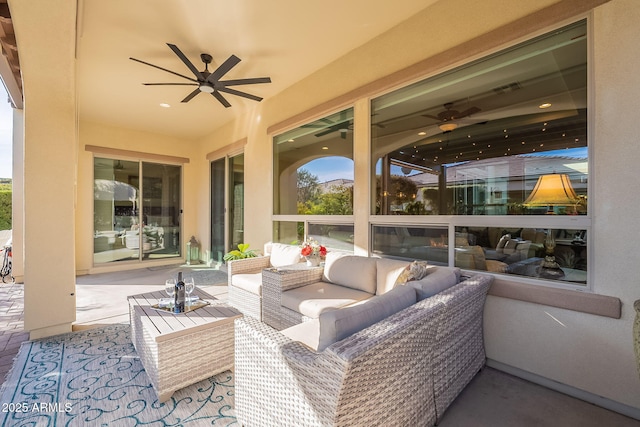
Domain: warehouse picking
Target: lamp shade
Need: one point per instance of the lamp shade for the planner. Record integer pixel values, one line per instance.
(552, 190)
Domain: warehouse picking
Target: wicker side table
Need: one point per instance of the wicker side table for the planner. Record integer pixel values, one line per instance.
(178, 350)
(277, 280)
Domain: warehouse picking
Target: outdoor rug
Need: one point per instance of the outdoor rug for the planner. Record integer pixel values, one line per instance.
(95, 378)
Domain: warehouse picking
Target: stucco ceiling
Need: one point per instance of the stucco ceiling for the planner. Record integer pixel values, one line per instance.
(284, 39)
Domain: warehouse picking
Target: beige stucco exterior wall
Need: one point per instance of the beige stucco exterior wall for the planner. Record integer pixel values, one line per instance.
(587, 352)
(49, 129)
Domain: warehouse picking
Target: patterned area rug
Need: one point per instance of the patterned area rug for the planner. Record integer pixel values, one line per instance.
(95, 378)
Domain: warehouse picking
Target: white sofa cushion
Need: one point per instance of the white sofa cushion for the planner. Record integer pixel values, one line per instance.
(437, 280)
(282, 255)
(335, 325)
(352, 271)
(387, 273)
(313, 299)
(251, 282)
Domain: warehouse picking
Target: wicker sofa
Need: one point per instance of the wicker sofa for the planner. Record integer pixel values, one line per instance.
(245, 276)
(294, 295)
(404, 369)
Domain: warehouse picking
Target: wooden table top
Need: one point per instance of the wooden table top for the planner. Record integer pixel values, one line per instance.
(164, 325)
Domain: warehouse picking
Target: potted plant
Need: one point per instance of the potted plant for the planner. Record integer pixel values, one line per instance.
(242, 252)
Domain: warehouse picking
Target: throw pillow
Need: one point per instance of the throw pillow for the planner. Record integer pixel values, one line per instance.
(414, 271)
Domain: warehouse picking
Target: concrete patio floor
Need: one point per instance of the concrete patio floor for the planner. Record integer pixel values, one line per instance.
(492, 399)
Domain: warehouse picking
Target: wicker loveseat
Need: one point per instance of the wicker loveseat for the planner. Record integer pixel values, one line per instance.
(403, 370)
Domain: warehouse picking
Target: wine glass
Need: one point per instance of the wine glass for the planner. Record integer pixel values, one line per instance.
(170, 289)
(189, 286)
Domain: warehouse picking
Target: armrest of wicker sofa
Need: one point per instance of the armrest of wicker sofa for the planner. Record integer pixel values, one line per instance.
(275, 282)
(381, 372)
(247, 266)
(459, 339)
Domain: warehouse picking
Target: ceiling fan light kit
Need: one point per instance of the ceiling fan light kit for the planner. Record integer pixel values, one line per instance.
(209, 82)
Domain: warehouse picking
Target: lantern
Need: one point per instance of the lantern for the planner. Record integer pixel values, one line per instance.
(193, 251)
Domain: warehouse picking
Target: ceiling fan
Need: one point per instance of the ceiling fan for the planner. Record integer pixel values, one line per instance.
(448, 117)
(209, 82)
(343, 124)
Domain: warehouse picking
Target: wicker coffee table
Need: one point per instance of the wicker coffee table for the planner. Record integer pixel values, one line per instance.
(178, 350)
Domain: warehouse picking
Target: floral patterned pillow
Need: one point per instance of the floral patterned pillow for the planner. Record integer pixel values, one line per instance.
(414, 271)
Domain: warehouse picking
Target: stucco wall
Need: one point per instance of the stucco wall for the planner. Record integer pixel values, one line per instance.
(48, 164)
(590, 353)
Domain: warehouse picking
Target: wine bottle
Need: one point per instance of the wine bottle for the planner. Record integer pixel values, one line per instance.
(178, 306)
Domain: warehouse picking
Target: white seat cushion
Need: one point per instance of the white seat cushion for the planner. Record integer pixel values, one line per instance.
(282, 255)
(388, 271)
(311, 300)
(248, 282)
(353, 271)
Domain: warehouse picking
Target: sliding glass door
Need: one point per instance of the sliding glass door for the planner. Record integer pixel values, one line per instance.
(136, 210)
(227, 205)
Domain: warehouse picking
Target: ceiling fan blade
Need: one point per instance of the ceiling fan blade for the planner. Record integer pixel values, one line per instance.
(221, 98)
(164, 69)
(431, 117)
(191, 95)
(170, 84)
(238, 93)
(250, 81)
(231, 62)
(468, 112)
(186, 61)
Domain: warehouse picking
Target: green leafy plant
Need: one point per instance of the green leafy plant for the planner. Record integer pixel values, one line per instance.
(242, 252)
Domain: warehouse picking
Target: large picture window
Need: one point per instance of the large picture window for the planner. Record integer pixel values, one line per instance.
(476, 140)
(313, 178)
(313, 167)
(495, 151)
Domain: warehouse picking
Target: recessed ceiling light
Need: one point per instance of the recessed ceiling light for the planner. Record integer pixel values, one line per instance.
(165, 105)
(545, 105)
(325, 148)
(422, 133)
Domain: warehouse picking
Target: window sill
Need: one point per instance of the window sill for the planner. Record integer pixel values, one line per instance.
(600, 305)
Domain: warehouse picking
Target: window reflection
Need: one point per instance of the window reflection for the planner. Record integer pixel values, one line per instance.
(429, 243)
(474, 141)
(313, 167)
(552, 254)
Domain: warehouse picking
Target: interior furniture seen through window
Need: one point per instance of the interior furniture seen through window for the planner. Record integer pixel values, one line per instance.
(136, 210)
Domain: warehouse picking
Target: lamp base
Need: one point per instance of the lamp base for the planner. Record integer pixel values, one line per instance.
(549, 269)
(549, 262)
